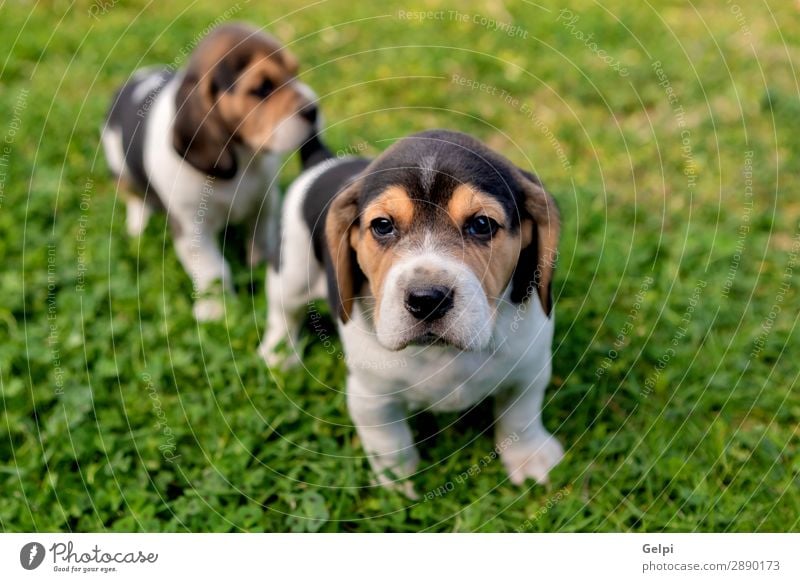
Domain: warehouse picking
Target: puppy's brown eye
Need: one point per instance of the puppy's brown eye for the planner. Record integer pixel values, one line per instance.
(263, 90)
(481, 227)
(382, 227)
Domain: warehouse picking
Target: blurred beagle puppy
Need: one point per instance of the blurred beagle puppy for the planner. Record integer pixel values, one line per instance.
(203, 143)
(438, 257)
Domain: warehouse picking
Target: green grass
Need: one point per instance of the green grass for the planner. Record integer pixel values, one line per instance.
(691, 422)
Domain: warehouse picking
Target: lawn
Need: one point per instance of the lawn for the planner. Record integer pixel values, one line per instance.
(666, 131)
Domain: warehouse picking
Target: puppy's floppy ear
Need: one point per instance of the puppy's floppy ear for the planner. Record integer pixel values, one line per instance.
(199, 135)
(345, 278)
(537, 260)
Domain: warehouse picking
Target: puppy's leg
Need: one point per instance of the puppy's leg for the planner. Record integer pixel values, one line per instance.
(382, 426)
(289, 293)
(525, 446)
(264, 229)
(258, 244)
(137, 211)
(137, 214)
(293, 277)
(199, 253)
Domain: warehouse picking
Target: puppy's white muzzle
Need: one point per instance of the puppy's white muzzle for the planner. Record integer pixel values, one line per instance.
(290, 134)
(433, 299)
(294, 129)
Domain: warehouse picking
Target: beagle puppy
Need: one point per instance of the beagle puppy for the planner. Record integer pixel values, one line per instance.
(438, 258)
(203, 144)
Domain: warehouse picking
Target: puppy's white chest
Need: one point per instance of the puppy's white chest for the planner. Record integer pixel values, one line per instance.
(444, 379)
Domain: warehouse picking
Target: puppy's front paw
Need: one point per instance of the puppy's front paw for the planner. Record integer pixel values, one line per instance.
(532, 457)
(394, 471)
(208, 309)
(401, 486)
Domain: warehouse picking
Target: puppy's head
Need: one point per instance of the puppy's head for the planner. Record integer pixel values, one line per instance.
(439, 227)
(240, 86)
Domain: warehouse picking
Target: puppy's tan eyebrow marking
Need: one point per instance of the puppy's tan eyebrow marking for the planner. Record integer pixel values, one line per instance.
(395, 203)
(467, 200)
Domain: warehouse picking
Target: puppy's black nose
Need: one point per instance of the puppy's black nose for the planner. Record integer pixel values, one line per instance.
(309, 113)
(429, 303)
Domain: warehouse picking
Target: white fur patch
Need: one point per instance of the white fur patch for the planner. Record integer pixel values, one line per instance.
(137, 215)
(427, 176)
(293, 130)
(150, 82)
(468, 325)
(112, 146)
(288, 135)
